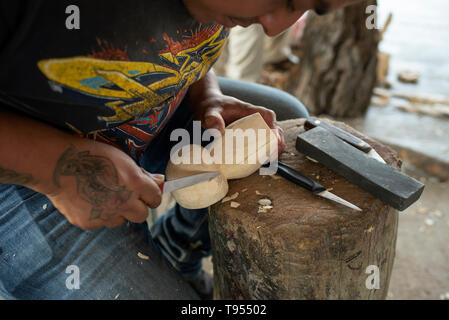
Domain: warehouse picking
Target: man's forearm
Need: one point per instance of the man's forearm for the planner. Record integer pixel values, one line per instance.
(201, 90)
(29, 151)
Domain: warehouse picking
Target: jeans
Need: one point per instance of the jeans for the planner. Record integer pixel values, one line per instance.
(42, 256)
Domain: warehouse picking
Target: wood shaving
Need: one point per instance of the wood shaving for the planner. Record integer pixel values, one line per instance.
(142, 256)
(265, 202)
(408, 76)
(244, 190)
(264, 209)
(313, 160)
(226, 199)
(235, 204)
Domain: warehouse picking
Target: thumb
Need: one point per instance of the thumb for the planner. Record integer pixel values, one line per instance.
(214, 120)
(159, 178)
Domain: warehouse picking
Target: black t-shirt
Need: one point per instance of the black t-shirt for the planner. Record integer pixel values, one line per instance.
(120, 75)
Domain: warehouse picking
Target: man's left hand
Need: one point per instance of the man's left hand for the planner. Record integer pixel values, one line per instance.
(218, 110)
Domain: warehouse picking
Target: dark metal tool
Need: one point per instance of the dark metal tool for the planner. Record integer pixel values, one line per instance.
(382, 181)
(343, 135)
(317, 189)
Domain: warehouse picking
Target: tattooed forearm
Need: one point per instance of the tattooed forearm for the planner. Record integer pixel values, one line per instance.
(11, 177)
(96, 179)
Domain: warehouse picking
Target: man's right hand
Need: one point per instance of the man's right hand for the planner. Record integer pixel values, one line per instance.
(97, 185)
(92, 184)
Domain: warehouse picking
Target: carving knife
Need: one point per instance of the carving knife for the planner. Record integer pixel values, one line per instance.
(298, 178)
(173, 185)
(345, 136)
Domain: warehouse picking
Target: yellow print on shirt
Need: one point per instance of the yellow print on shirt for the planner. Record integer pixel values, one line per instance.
(117, 82)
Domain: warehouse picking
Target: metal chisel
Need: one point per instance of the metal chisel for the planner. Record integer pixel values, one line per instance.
(173, 185)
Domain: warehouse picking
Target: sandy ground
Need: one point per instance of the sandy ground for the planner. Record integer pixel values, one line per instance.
(421, 268)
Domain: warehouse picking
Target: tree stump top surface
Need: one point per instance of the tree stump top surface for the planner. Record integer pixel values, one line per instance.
(287, 197)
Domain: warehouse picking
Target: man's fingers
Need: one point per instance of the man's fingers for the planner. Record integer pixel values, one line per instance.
(114, 222)
(149, 190)
(213, 119)
(136, 212)
(236, 111)
(281, 142)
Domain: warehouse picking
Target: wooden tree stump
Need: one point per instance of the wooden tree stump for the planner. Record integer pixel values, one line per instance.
(337, 72)
(305, 247)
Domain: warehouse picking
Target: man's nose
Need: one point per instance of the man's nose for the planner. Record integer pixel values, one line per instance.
(277, 22)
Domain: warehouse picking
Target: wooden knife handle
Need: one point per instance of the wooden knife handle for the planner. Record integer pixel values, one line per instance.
(297, 177)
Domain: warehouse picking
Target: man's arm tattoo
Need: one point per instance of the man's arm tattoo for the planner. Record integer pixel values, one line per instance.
(97, 181)
(11, 177)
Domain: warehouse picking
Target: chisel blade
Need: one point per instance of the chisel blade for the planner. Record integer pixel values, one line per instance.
(330, 196)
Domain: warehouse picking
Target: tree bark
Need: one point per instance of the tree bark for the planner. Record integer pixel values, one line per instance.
(305, 247)
(337, 71)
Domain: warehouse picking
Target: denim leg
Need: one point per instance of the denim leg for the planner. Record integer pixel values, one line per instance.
(182, 234)
(41, 252)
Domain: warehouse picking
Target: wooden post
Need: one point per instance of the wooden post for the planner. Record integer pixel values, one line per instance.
(337, 72)
(305, 247)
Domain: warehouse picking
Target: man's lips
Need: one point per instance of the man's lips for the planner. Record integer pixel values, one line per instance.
(229, 22)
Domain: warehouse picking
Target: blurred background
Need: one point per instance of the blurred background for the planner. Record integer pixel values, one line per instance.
(391, 84)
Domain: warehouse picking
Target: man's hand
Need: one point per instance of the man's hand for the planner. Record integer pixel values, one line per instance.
(91, 183)
(218, 110)
(97, 186)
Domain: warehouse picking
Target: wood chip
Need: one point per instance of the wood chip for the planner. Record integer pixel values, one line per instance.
(226, 199)
(408, 76)
(264, 209)
(423, 210)
(313, 160)
(380, 101)
(142, 256)
(235, 204)
(244, 190)
(437, 213)
(265, 202)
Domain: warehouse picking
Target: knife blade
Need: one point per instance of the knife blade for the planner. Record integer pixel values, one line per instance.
(345, 136)
(173, 185)
(302, 180)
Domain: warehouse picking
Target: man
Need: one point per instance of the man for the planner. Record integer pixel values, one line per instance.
(88, 97)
